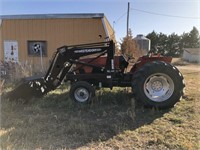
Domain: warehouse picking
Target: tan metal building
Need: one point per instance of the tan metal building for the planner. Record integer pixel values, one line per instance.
(28, 37)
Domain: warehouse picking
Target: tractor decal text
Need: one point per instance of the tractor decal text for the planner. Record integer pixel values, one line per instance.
(87, 50)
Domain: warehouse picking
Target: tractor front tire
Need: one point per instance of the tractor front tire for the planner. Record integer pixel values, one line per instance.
(158, 84)
(82, 92)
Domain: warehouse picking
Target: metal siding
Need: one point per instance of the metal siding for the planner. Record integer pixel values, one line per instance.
(110, 29)
(57, 32)
(190, 57)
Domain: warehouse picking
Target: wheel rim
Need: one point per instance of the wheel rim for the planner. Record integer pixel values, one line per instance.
(81, 94)
(158, 87)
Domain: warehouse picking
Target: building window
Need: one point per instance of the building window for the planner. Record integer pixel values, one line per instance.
(37, 48)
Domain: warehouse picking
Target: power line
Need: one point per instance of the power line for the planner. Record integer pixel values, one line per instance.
(152, 13)
(166, 15)
(120, 17)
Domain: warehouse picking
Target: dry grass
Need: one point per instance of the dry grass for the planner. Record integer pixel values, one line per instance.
(113, 121)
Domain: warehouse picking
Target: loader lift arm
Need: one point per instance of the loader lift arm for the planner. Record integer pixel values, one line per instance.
(66, 56)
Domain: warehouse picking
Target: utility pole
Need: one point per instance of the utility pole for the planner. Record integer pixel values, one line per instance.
(128, 18)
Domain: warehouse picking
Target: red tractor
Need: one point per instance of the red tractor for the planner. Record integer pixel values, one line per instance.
(154, 81)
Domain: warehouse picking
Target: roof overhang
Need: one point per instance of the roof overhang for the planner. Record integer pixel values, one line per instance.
(192, 51)
(53, 16)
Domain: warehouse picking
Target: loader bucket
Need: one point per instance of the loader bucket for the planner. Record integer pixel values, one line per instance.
(28, 88)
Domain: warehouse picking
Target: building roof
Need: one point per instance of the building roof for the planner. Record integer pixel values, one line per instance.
(193, 51)
(53, 16)
(141, 37)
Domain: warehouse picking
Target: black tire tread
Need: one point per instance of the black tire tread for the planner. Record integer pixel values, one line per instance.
(158, 67)
(84, 84)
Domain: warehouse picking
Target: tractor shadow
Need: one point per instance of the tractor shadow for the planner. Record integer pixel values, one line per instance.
(55, 122)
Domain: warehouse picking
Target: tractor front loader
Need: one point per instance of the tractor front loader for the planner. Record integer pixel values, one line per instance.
(154, 81)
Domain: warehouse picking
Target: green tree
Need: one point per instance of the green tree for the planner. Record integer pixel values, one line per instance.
(191, 39)
(162, 44)
(184, 42)
(158, 42)
(173, 45)
(194, 38)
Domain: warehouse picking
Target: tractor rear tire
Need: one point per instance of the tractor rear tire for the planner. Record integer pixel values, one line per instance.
(158, 84)
(82, 92)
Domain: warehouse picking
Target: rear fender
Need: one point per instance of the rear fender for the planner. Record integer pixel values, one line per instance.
(146, 59)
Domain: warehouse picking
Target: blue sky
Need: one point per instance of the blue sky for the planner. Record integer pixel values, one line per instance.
(187, 12)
